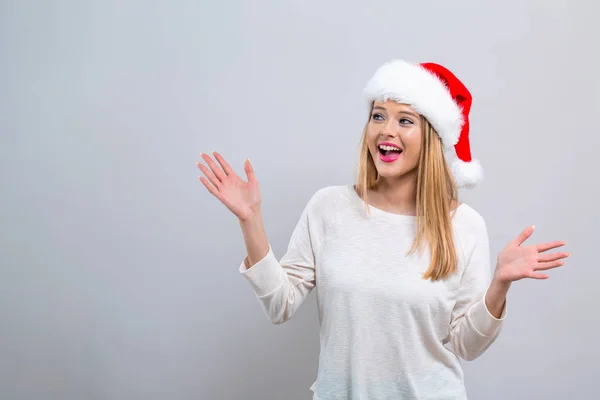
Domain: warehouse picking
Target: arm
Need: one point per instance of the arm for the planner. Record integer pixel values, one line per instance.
(480, 308)
(281, 286)
(495, 298)
(255, 239)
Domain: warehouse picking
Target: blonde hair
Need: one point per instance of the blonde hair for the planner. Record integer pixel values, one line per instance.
(436, 192)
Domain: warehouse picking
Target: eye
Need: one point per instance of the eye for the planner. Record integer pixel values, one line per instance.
(405, 121)
(377, 117)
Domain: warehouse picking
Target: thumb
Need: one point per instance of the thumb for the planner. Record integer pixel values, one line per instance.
(523, 236)
(249, 171)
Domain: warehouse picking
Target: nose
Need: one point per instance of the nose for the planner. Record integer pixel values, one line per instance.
(390, 129)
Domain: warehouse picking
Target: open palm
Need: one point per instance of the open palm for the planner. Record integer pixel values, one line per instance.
(517, 261)
(241, 197)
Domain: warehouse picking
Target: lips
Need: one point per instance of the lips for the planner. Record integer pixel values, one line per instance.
(389, 152)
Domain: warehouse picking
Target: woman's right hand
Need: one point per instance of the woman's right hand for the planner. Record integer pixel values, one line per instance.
(240, 197)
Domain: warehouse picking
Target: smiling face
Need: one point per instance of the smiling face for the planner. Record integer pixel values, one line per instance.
(394, 139)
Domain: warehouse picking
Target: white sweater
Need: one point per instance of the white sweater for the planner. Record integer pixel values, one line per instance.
(385, 333)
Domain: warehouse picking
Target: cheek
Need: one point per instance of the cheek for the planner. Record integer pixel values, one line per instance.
(412, 141)
(372, 135)
(372, 130)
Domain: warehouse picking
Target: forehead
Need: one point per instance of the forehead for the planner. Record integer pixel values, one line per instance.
(393, 107)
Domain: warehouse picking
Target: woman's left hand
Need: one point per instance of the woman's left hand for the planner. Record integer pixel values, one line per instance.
(517, 261)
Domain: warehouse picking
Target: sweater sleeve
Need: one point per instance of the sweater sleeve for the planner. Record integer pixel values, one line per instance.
(473, 328)
(282, 286)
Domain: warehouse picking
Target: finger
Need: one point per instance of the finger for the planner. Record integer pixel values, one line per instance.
(548, 265)
(214, 167)
(209, 175)
(523, 236)
(549, 246)
(249, 171)
(213, 190)
(538, 275)
(552, 257)
(224, 164)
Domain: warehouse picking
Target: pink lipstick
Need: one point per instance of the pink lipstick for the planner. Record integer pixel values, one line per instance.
(389, 152)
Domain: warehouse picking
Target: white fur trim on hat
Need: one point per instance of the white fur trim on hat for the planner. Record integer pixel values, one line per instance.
(412, 84)
(466, 174)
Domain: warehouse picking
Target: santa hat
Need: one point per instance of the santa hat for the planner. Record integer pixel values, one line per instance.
(439, 96)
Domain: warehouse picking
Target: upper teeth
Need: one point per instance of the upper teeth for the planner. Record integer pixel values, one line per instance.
(385, 147)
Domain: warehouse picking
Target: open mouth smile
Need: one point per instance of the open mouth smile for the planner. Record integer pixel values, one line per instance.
(389, 152)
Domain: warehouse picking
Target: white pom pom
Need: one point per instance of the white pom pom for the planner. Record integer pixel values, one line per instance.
(467, 174)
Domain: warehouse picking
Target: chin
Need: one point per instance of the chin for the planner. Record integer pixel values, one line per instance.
(394, 171)
(388, 175)
(390, 172)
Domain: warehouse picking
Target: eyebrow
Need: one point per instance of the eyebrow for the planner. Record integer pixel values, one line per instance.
(399, 112)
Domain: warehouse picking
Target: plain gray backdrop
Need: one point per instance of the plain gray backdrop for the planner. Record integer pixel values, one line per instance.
(119, 271)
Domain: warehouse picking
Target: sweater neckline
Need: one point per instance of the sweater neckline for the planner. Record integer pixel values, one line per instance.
(377, 212)
(382, 213)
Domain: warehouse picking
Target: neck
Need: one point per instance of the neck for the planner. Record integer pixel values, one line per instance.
(398, 195)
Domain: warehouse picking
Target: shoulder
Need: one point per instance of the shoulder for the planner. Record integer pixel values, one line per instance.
(470, 231)
(327, 204)
(329, 196)
(468, 220)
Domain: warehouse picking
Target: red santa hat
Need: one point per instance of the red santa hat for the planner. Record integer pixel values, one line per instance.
(439, 96)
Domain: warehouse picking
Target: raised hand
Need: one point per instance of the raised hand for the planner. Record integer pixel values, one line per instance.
(517, 261)
(241, 197)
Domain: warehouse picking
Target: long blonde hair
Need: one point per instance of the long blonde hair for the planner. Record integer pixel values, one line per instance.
(436, 192)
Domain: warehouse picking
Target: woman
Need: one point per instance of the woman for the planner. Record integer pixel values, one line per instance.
(401, 267)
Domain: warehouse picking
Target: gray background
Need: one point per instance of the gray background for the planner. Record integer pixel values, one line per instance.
(119, 271)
